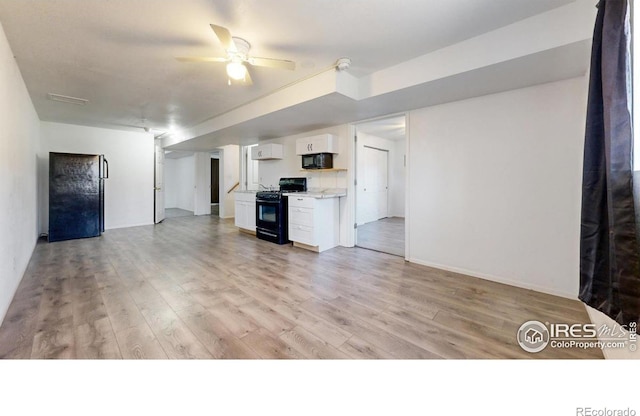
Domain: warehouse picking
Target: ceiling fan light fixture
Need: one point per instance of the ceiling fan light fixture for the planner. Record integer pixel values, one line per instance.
(236, 70)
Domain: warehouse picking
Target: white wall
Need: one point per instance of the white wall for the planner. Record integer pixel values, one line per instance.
(635, 18)
(397, 182)
(186, 178)
(171, 184)
(229, 176)
(180, 177)
(129, 189)
(202, 200)
(19, 137)
(495, 186)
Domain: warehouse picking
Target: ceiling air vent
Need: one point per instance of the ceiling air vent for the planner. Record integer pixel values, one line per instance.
(67, 99)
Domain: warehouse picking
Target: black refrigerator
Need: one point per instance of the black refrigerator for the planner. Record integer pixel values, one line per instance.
(76, 195)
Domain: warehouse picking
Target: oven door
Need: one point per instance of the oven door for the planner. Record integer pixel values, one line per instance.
(271, 220)
(267, 214)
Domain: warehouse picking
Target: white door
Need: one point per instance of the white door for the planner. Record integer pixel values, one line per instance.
(373, 195)
(382, 182)
(159, 182)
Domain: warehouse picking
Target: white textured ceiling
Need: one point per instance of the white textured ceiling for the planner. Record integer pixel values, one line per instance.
(119, 54)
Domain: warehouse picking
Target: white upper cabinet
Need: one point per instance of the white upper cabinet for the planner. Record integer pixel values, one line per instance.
(267, 151)
(324, 143)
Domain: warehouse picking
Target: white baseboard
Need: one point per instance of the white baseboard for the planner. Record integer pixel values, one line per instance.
(497, 279)
(128, 226)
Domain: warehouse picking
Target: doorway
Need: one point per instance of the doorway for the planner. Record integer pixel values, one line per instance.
(380, 185)
(215, 181)
(215, 186)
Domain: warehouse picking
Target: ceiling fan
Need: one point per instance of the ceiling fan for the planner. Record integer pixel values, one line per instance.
(237, 56)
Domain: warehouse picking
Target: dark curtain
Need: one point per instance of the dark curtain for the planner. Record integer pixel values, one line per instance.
(609, 251)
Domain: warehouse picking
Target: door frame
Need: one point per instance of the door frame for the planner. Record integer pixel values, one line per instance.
(158, 151)
(353, 148)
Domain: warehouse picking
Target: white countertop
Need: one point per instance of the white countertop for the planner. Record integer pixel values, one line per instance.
(245, 191)
(319, 193)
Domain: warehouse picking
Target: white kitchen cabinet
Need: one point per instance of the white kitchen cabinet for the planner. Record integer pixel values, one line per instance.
(267, 151)
(324, 143)
(246, 211)
(314, 223)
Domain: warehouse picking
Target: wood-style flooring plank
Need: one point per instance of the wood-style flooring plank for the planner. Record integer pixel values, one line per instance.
(122, 310)
(176, 338)
(54, 342)
(269, 346)
(214, 335)
(96, 340)
(398, 347)
(333, 334)
(266, 317)
(356, 347)
(88, 307)
(236, 321)
(19, 328)
(139, 343)
(309, 345)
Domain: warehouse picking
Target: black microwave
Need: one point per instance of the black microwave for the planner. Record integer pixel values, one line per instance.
(317, 161)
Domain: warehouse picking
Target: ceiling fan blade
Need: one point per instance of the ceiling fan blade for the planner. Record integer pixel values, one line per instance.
(225, 37)
(200, 59)
(272, 63)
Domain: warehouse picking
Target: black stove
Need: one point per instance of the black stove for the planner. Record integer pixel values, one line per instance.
(271, 210)
(269, 195)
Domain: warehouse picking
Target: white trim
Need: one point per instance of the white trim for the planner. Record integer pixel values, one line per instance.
(407, 187)
(496, 279)
(129, 226)
(351, 188)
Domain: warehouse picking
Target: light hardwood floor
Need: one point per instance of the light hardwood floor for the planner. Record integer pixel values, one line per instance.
(177, 212)
(195, 287)
(385, 235)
